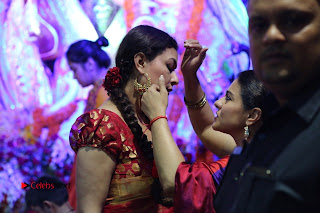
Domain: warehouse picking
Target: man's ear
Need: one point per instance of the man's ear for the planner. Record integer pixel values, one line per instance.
(254, 116)
(139, 62)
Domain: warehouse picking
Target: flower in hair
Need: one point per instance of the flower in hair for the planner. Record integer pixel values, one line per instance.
(113, 78)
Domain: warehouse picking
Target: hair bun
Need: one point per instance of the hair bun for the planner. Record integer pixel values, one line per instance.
(102, 41)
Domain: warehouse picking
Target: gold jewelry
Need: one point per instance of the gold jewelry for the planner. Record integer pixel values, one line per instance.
(141, 88)
(197, 105)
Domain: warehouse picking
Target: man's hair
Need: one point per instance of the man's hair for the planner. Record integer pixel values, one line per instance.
(53, 190)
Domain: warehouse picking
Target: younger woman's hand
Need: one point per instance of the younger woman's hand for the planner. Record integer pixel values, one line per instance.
(192, 57)
(154, 101)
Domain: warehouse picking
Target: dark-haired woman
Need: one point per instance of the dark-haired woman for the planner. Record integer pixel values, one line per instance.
(238, 118)
(89, 64)
(115, 171)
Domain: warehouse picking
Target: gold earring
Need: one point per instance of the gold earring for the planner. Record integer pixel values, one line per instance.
(141, 88)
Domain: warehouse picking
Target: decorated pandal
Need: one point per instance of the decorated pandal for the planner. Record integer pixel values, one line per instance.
(39, 99)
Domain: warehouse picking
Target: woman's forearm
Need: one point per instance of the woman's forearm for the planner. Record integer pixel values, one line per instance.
(167, 155)
(192, 88)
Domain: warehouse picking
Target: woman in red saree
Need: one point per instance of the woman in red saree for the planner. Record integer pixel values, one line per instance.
(238, 118)
(114, 169)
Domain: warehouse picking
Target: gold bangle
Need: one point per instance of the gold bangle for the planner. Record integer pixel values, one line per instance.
(198, 104)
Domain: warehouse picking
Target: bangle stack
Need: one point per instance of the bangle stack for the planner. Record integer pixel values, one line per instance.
(197, 105)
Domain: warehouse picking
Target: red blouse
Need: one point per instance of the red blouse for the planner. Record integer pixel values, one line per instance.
(130, 187)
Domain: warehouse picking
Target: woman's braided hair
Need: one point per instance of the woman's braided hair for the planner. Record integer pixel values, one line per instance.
(151, 42)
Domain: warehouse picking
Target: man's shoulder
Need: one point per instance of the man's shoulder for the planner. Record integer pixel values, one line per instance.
(307, 104)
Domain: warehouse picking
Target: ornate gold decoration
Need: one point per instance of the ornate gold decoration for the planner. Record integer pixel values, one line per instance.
(141, 88)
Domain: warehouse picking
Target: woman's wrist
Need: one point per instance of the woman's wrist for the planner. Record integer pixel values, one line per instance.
(191, 80)
(192, 90)
(157, 118)
(196, 105)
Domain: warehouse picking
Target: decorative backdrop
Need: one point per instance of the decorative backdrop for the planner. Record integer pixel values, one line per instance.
(39, 99)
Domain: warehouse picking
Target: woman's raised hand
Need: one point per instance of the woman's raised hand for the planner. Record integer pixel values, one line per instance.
(193, 56)
(154, 101)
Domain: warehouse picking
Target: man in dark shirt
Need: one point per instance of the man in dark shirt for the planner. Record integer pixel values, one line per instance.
(279, 171)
